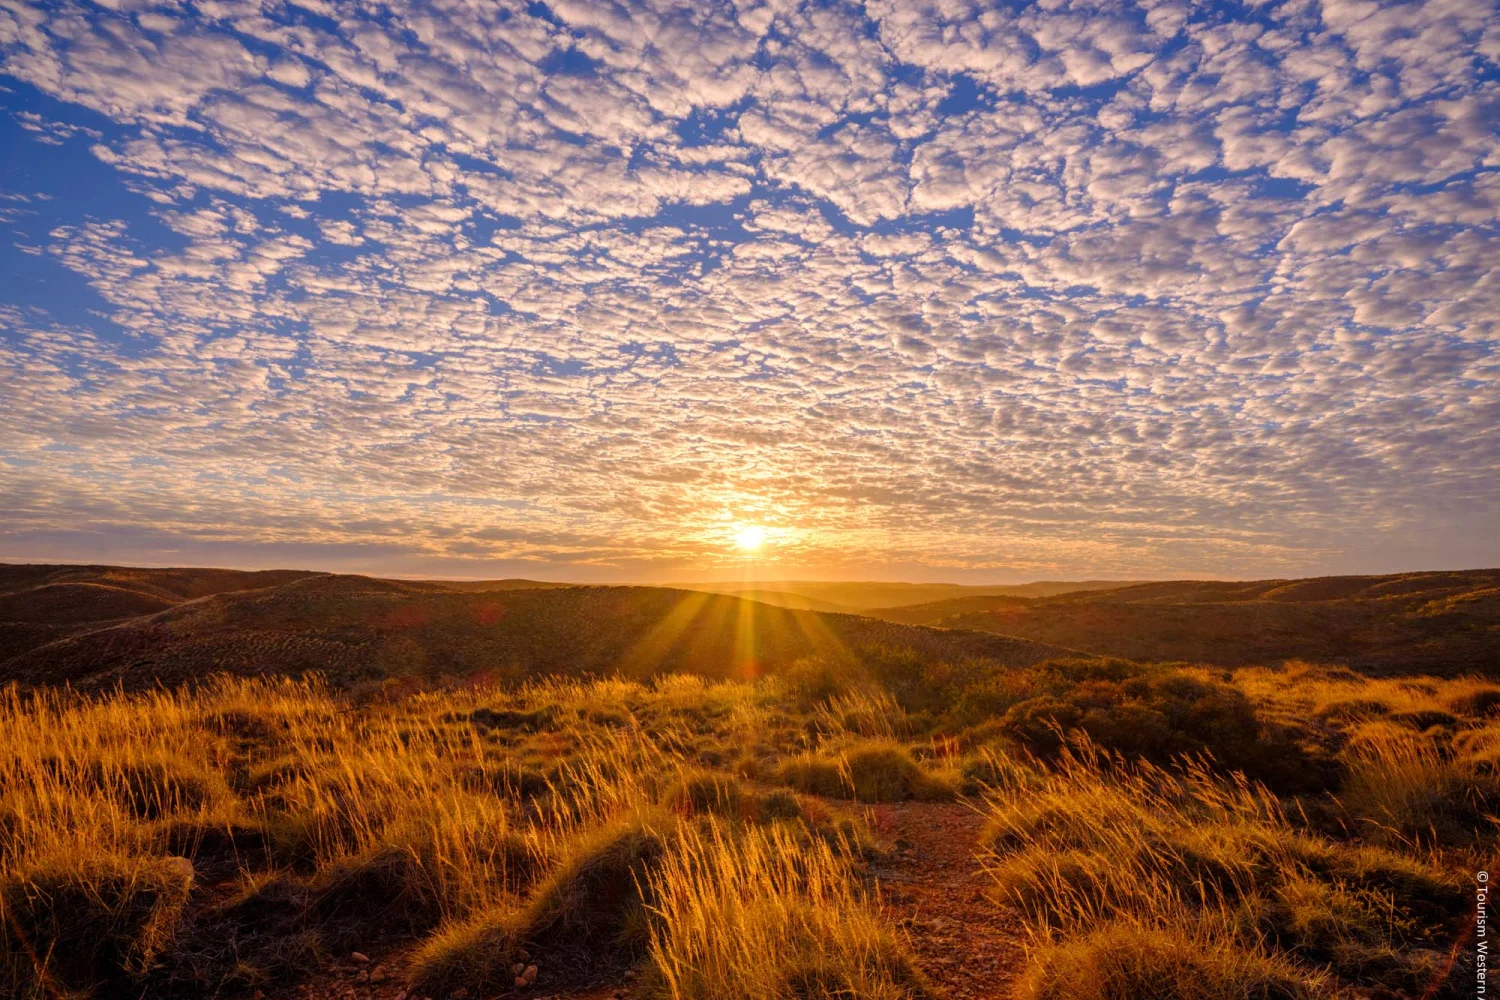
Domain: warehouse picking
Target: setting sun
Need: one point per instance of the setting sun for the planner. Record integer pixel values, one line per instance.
(749, 537)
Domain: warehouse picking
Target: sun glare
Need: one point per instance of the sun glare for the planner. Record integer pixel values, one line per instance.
(749, 537)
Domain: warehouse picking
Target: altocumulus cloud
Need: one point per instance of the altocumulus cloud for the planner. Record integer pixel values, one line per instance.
(937, 287)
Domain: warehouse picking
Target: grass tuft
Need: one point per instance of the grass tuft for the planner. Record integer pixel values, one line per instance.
(765, 916)
(1130, 962)
(88, 928)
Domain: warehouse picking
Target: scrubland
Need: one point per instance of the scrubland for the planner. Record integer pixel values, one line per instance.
(1162, 831)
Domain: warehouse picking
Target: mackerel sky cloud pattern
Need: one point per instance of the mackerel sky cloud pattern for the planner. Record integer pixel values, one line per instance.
(931, 288)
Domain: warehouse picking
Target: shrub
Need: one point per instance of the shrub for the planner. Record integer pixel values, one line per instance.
(815, 679)
(779, 804)
(1149, 713)
(884, 771)
(696, 791)
(867, 770)
(814, 775)
(1130, 962)
(88, 927)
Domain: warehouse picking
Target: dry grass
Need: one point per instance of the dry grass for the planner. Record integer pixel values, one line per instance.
(473, 818)
(237, 835)
(764, 916)
(1167, 861)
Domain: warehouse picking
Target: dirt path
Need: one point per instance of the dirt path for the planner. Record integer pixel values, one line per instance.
(933, 888)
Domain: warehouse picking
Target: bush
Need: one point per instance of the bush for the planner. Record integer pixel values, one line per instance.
(814, 775)
(884, 771)
(1148, 713)
(697, 791)
(815, 679)
(1129, 962)
(90, 928)
(779, 804)
(867, 770)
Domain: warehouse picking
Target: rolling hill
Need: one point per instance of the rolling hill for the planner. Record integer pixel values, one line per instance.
(1445, 623)
(43, 603)
(354, 628)
(857, 597)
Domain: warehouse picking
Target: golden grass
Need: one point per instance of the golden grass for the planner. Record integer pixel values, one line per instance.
(583, 827)
(1134, 863)
(765, 915)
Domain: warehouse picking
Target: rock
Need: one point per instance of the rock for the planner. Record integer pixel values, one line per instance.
(359, 956)
(180, 866)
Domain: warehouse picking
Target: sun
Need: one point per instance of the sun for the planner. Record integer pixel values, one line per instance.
(749, 537)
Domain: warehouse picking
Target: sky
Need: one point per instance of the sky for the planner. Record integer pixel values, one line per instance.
(907, 289)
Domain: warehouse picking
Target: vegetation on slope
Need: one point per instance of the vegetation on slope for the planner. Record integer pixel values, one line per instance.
(1162, 830)
(1433, 623)
(356, 629)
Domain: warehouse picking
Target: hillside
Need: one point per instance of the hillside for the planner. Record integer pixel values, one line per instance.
(357, 628)
(43, 603)
(1444, 623)
(861, 597)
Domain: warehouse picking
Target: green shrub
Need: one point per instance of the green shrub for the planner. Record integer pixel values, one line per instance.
(815, 679)
(867, 770)
(884, 771)
(814, 775)
(779, 804)
(1146, 713)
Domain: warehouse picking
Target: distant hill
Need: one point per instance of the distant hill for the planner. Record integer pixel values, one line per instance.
(862, 597)
(485, 586)
(43, 603)
(1442, 623)
(354, 628)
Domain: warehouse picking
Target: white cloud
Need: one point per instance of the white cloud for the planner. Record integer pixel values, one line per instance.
(1079, 288)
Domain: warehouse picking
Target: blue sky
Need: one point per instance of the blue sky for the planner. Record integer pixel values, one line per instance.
(927, 289)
